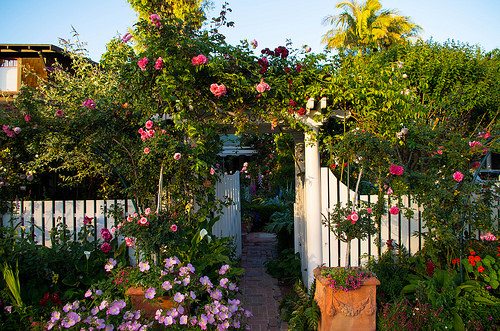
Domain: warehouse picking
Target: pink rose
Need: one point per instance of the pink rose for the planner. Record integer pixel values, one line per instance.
(130, 242)
(212, 171)
(173, 228)
(149, 125)
(199, 60)
(177, 156)
(396, 170)
(475, 143)
(126, 37)
(146, 150)
(89, 103)
(147, 211)
(394, 210)
(458, 176)
(143, 221)
(218, 90)
(262, 86)
(27, 118)
(354, 217)
(106, 248)
(159, 63)
(17, 130)
(142, 63)
(369, 210)
(106, 235)
(390, 191)
(87, 220)
(59, 113)
(155, 19)
(254, 44)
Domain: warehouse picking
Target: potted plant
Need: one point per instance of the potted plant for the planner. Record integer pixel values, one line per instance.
(347, 296)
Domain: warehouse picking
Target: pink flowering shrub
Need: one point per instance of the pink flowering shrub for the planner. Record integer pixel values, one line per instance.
(218, 90)
(200, 302)
(199, 60)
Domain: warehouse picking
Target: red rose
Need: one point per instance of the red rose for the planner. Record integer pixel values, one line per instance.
(106, 248)
(302, 111)
(480, 269)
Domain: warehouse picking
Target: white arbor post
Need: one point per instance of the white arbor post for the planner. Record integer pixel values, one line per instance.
(312, 194)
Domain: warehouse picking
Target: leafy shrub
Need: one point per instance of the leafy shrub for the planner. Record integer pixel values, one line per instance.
(286, 267)
(300, 309)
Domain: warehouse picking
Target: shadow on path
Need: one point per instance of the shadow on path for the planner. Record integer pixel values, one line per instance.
(261, 292)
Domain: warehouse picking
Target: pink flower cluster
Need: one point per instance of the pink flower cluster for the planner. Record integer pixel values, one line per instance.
(458, 176)
(148, 133)
(11, 133)
(394, 210)
(142, 63)
(218, 90)
(396, 170)
(159, 63)
(199, 60)
(59, 113)
(353, 217)
(488, 237)
(155, 20)
(262, 86)
(89, 103)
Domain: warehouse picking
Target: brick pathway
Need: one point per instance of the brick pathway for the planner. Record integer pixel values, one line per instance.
(261, 292)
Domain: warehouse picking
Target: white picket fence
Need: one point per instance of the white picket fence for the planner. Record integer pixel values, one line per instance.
(39, 217)
(402, 230)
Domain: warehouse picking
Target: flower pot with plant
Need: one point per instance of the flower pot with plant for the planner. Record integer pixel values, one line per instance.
(347, 296)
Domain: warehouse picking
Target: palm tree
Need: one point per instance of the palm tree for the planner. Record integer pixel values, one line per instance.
(367, 27)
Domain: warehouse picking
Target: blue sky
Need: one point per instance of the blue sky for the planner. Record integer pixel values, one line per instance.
(270, 22)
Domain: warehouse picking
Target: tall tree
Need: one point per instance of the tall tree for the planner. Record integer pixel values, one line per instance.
(366, 27)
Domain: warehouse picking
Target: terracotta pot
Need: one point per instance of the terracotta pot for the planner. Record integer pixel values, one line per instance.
(148, 307)
(344, 311)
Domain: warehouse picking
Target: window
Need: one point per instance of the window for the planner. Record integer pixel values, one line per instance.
(8, 75)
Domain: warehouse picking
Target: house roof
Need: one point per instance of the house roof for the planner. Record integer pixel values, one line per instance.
(29, 49)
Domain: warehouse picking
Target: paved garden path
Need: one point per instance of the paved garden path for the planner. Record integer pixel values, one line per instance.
(261, 292)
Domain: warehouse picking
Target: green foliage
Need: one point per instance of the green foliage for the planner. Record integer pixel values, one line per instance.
(392, 269)
(443, 290)
(300, 309)
(12, 280)
(286, 267)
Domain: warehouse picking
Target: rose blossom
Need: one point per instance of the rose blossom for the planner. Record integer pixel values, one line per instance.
(396, 170)
(262, 86)
(199, 60)
(87, 220)
(458, 176)
(254, 44)
(89, 103)
(147, 150)
(106, 248)
(159, 63)
(59, 113)
(488, 237)
(143, 221)
(302, 111)
(394, 210)
(155, 19)
(218, 90)
(129, 241)
(212, 171)
(149, 125)
(147, 211)
(27, 118)
(173, 228)
(177, 156)
(17, 130)
(369, 210)
(106, 235)
(142, 63)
